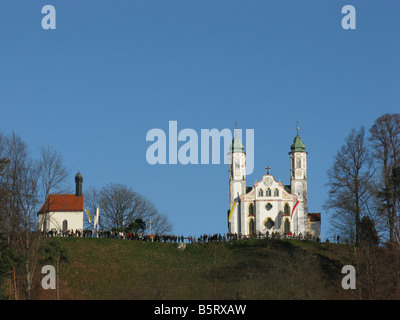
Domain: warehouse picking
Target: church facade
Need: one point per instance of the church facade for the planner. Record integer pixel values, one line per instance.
(268, 205)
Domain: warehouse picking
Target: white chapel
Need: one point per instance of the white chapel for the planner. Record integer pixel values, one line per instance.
(62, 212)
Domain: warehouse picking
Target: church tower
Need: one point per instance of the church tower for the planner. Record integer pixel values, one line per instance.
(237, 182)
(78, 184)
(298, 183)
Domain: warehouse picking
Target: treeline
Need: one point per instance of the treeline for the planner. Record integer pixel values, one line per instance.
(364, 185)
(124, 209)
(25, 185)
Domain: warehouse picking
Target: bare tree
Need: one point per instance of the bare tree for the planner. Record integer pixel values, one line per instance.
(27, 182)
(91, 200)
(52, 170)
(120, 206)
(3, 186)
(22, 183)
(53, 174)
(385, 140)
(349, 179)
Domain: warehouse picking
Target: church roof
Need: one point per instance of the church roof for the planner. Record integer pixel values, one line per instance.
(78, 176)
(237, 145)
(288, 188)
(62, 202)
(297, 145)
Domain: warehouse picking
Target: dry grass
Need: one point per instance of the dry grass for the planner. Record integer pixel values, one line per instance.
(254, 269)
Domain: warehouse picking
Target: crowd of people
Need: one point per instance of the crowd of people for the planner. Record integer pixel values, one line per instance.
(272, 235)
(115, 234)
(204, 238)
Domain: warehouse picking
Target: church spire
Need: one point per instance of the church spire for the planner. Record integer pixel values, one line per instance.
(236, 145)
(297, 145)
(78, 183)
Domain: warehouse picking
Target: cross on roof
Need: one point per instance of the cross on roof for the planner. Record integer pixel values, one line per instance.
(268, 168)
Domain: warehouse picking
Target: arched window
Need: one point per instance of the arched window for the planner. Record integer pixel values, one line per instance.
(65, 225)
(251, 209)
(237, 164)
(286, 210)
(260, 193)
(276, 193)
(286, 227)
(268, 192)
(252, 227)
(298, 163)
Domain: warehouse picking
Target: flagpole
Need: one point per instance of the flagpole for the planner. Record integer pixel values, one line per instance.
(98, 217)
(150, 230)
(94, 225)
(94, 222)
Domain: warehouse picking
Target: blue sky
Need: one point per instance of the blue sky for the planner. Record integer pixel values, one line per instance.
(113, 70)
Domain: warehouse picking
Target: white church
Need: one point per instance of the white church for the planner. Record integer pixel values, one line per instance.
(268, 205)
(62, 212)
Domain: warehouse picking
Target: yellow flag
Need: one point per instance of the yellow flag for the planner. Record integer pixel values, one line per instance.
(88, 214)
(230, 212)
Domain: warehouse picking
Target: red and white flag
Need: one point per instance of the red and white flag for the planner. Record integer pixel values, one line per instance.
(294, 208)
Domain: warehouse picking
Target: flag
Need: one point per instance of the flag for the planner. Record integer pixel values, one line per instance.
(230, 212)
(88, 214)
(98, 215)
(96, 220)
(294, 208)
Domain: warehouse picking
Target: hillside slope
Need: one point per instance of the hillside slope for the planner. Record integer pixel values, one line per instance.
(249, 269)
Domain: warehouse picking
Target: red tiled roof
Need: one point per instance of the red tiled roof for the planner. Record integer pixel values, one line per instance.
(63, 202)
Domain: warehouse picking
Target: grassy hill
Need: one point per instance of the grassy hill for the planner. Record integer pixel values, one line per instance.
(249, 269)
